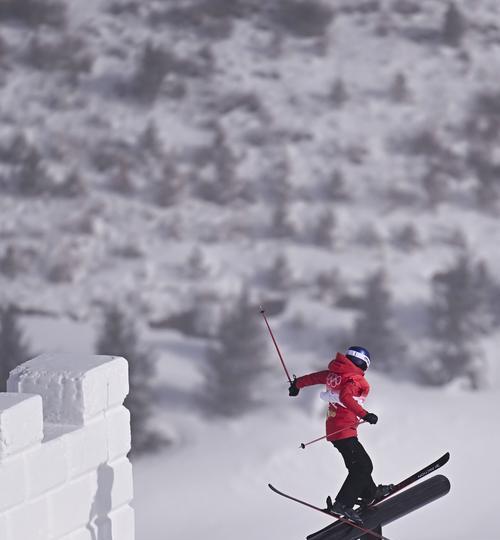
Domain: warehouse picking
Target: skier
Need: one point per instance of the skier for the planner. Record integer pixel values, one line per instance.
(346, 391)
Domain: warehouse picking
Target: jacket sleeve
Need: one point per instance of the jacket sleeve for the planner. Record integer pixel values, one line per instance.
(347, 395)
(319, 377)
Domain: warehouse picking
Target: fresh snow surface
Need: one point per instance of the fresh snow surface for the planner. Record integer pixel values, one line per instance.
(271, 101)
(213, 483)
(213, 480)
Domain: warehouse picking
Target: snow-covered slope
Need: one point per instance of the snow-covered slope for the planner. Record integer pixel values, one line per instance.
(213, 480)
(256, 91)
(214, 484)
(256, 112)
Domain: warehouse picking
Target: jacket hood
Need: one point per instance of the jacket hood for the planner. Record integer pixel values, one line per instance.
(342, 365)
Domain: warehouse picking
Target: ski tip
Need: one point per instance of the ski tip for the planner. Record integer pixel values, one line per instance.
(261, 309)
(446, 457)
(273, 489)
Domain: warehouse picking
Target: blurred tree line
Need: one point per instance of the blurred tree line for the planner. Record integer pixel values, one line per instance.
(14, 349)
(463, 308)
(118, 337)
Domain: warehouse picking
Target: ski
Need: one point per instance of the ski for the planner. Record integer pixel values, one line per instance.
(398, 487)
(415, 477)
(331, 514)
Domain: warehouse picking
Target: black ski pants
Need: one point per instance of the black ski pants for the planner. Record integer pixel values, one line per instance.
(359, 482)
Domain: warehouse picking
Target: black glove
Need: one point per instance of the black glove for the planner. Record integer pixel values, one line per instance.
(293, 390)
(370, 418)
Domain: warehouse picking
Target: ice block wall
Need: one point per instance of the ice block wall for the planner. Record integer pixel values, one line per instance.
(64, 439)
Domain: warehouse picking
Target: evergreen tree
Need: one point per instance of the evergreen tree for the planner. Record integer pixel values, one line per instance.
(18, 150)
(279, 276)
(10, 262)
(338, 93)
(374, 327)
(483, 131)
(335, 189)
(454, 26)
(167, 189)
(149, 140)
(457, 321)
(121, 181)
(196, 266)
(226, 173)
(302, 19)
(32, 178)
(236, 363)
(282, 226)
(487, 298)
(280, 189)
(435, 185)
(13, 347)
(72, 186)
(487, 190)
(224, 187)
(490, 297)
(34, 13)
(327, 286)
(399, 91)
(152, 67)
(406, 238)
(118, 337)
(323, 233)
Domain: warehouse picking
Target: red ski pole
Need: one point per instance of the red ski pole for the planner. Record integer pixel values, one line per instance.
(275, 344)
(303, 445)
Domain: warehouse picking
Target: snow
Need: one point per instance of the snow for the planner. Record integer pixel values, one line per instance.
(126, 250)
(20, 423)
(87, 385)
(70, 472)
(214, 482)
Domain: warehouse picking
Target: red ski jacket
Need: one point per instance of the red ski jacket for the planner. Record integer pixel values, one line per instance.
(346, 390)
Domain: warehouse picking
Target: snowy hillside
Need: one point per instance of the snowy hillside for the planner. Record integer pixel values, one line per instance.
(163, 155)
(268, 134)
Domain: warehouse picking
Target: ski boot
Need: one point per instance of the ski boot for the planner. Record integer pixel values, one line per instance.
(381, 492)
(342, 510)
